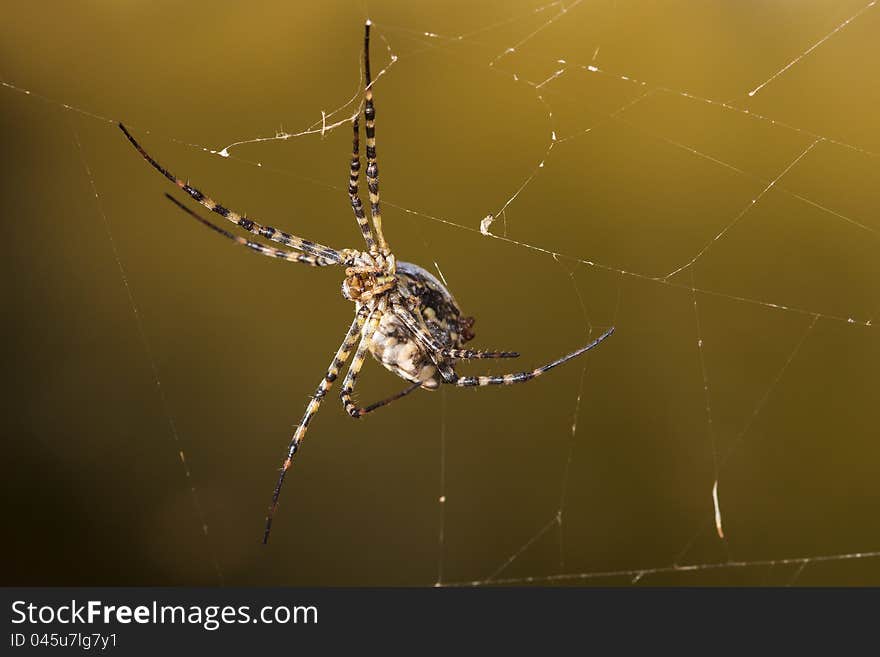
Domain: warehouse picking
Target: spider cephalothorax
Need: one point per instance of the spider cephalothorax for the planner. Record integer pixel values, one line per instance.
(404, 316)
(367, 277)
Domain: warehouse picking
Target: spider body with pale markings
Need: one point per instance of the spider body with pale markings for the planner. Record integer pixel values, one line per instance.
(404, 316)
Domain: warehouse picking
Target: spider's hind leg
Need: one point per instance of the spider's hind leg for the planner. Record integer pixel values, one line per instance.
(451, 377)
(467, 354)
(357, 362)
(336, 364)
(363, 410)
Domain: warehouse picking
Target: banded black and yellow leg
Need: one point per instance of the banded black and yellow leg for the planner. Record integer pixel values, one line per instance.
(356, 203)
(279, 254)
(467, 354)
(298, 243)
(421, 335)
(430, 343)
(339, 360)
(357, 362)
(450, 377)
(370, 130)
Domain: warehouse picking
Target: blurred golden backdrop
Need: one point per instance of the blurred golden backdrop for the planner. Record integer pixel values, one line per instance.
(619, 139)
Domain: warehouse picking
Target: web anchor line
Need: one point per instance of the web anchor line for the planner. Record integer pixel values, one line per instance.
(559, 517)
(812, 48)
(157, 380)
(638, 574)
(710, 427)
(441, 499)
(745, 210)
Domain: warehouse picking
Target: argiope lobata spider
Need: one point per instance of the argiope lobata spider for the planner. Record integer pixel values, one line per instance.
(404, 316)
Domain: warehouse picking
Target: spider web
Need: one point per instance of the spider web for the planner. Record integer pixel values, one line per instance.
(704, 180)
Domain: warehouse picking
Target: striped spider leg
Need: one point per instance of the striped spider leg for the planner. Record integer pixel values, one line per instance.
(298, 243)
(365, 324)
(450, 376)
(299, 433)
(404, 317)
(262, 249)
(370, 131)
(444, 357)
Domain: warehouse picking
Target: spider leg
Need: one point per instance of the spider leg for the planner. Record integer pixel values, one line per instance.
(339, 359)
(281, 254)
(449, 375)
(466, 354)
(357, 362)
(379, 404)
(404, 315)
(370, 129)
(298, 243)
(356, 203)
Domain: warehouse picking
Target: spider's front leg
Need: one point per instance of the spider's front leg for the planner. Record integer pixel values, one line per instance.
(356, 203)
(262, 249)
(372, 164)
(317, 251)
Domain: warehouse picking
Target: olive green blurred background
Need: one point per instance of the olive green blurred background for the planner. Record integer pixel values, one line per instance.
(643, 177)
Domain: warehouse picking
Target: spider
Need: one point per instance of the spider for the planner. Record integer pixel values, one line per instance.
(404, 316)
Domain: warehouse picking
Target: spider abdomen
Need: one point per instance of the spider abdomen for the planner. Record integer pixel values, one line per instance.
(394, 346)
(436, 312)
